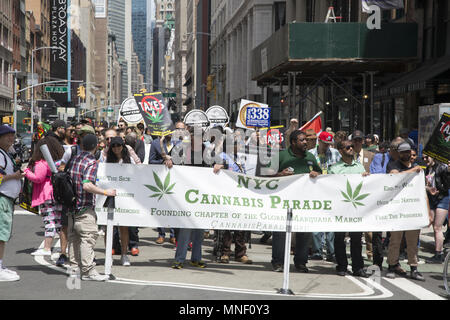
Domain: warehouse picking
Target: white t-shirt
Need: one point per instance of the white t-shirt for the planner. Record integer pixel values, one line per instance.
(10, 188)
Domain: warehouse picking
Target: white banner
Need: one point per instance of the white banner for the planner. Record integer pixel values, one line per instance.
(191, 197)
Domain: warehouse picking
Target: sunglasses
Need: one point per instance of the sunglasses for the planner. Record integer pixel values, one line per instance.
(348, 147)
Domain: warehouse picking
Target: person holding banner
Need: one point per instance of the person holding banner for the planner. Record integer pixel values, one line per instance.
(348, 165)
(295, 160)
(326, 156)
(40, 174)
(118, 153)
(10, 185)
(83, 221)
(403, 165)
(193, 152)
(230, 161)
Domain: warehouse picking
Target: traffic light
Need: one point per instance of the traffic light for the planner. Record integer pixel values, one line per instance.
(209, 83)
(81, 92)
(8, 120)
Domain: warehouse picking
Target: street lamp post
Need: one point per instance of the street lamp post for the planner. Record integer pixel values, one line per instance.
(32, 81)
(15, 72)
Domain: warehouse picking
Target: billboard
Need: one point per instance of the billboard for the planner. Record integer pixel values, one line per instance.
(60, 37)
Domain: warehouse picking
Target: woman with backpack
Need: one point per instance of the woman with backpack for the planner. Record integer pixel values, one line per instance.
(40, 174)
(118, 153)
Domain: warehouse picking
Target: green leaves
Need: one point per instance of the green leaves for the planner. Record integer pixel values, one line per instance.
(160, 189)
(353, 196)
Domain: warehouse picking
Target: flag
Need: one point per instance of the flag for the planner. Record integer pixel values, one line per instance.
(315, 123)
(383, 4)
(42, 129)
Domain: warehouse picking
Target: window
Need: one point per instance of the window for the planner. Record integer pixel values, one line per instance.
(280, 14)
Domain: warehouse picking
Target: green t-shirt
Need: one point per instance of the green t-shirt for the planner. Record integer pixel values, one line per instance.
(342, 167)
(300, 165)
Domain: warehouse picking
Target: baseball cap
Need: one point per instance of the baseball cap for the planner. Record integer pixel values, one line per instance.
(310, 133)
(117, 140)
(5, 129)
(326, 137)
(86, 129)
(89, 142)
(358, 134)
(404, 146)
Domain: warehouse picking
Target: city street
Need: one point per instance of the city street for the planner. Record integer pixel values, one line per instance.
(150, 276)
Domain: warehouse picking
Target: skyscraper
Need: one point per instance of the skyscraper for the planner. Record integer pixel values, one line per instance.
(139, 30)
(119, 23)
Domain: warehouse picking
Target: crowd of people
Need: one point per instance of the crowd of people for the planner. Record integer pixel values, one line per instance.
(80, 147)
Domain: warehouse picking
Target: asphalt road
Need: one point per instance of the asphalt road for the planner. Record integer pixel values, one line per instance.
(151, 278)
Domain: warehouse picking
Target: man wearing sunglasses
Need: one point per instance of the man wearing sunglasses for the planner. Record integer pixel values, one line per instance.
(348, 165)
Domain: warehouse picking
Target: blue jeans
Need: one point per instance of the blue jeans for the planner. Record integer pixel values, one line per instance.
(302, 240)
(184, 236)
(318, 242)
(162, 232)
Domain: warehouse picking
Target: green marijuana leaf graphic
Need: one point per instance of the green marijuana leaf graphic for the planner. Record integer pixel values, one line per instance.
(354, 197)
(160, 189)
(157, 118)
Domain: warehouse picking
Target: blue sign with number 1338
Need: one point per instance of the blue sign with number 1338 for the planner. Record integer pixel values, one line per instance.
(257, 117)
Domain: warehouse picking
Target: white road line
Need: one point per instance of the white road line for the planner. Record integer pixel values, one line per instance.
(23, 213)
(368, 292)
(413, 289)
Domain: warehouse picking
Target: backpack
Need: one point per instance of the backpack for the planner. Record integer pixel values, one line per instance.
(64, 192)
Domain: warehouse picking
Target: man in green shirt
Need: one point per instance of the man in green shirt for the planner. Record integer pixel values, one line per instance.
(347, 165)
(294, 160)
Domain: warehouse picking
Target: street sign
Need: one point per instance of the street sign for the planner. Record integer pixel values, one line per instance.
(56, 89)
(169, 95)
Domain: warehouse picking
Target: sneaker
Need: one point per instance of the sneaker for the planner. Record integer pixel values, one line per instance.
(7, 275)
(61, 260)
(447, 244)
(416, 275)
(134, 252)
(95, 277)
(316, 257)
(436, 259)
(244, 260)
(342, 273)
(395, 270)
(225, 259)
(360, 273)
(301, 268)
(277, 267)
(331, 258)
(125, 261)
(160, 240)
(42, 252)
(198, 264)
(177, 265)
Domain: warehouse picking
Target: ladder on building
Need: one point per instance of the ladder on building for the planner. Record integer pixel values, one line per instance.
(331, 16)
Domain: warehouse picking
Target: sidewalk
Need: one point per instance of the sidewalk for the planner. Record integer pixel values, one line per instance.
(153, 265)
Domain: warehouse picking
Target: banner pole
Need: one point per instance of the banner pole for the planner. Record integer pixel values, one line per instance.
(110, 203)
(287, 254)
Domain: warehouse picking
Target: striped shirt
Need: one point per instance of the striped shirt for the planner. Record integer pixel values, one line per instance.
(84, 170)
